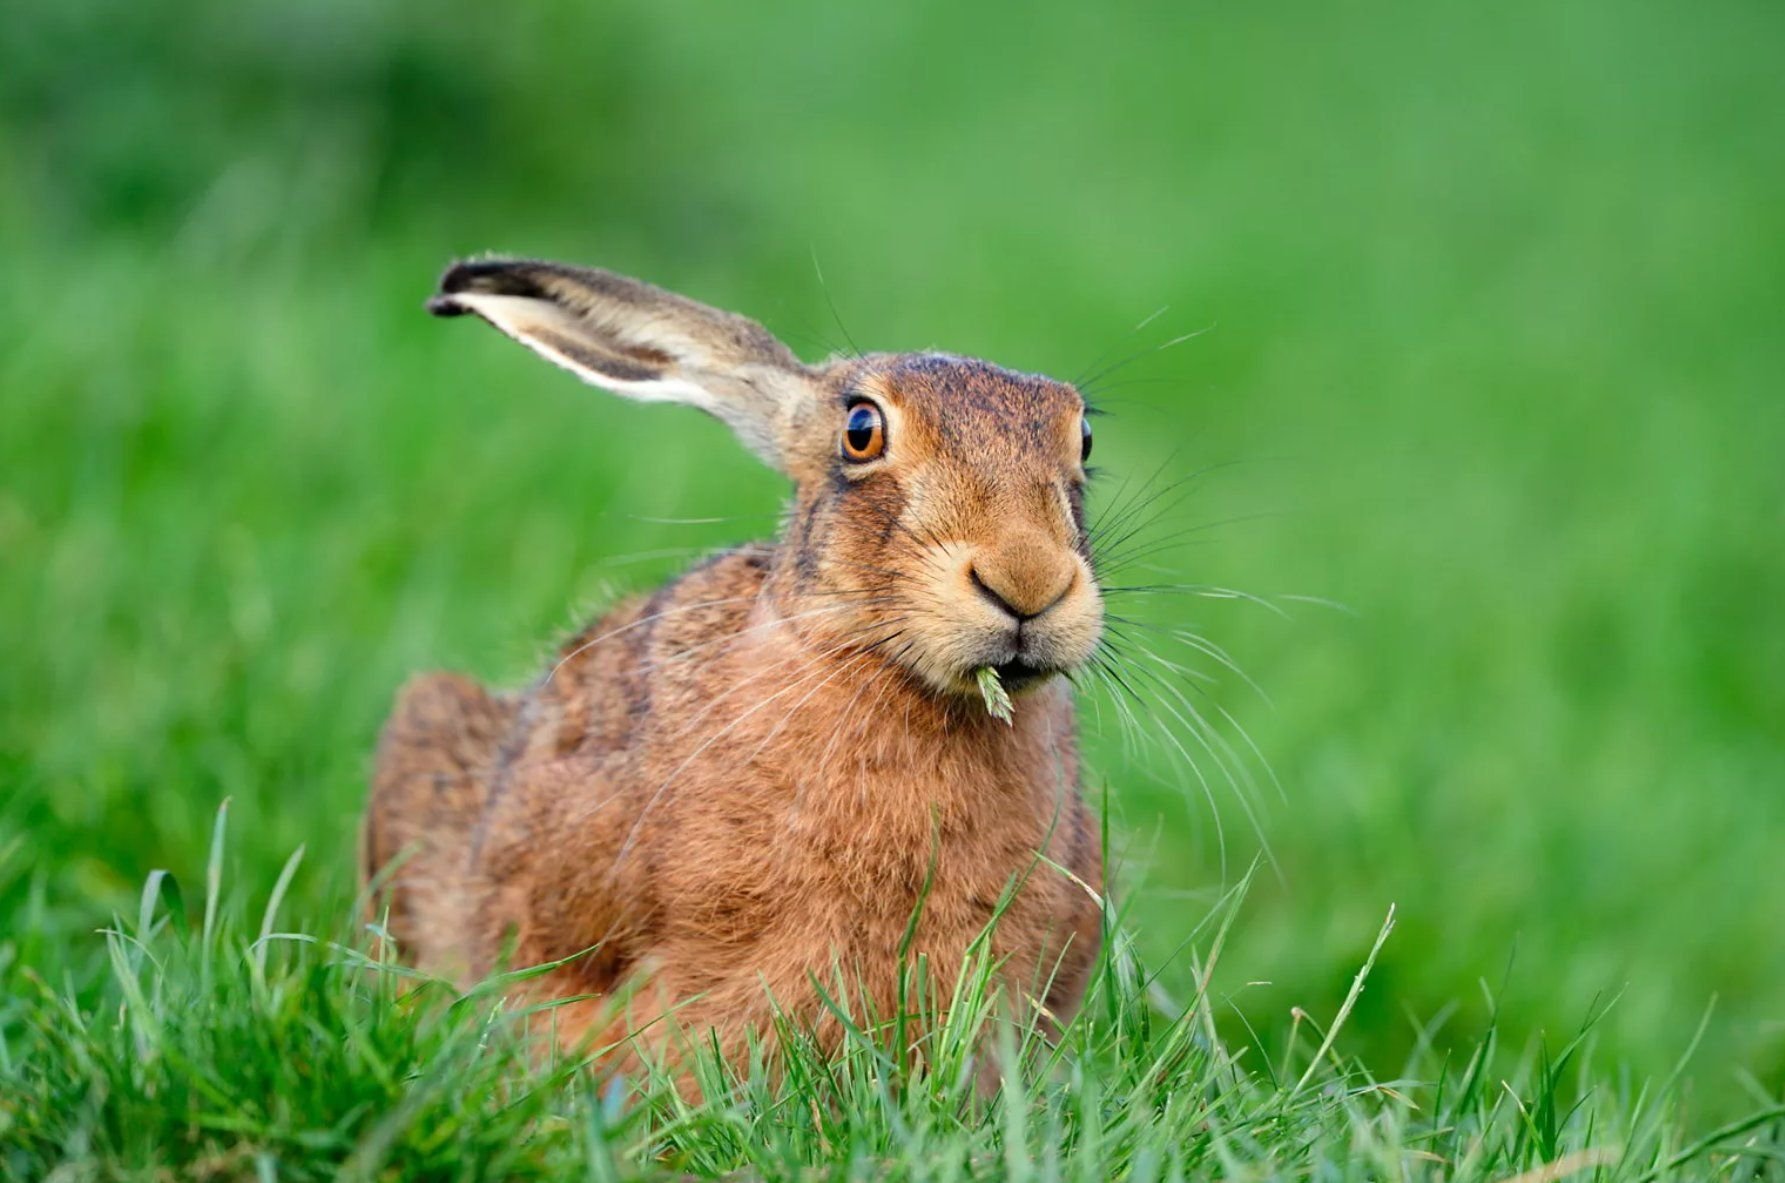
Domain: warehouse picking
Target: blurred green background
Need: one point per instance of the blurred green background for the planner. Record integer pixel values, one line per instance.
(1488, 303)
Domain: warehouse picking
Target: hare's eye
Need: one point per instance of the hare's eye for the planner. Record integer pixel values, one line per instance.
(864, 431)
(1084, 448)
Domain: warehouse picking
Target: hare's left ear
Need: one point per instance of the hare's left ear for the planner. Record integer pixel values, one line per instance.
(643, 343)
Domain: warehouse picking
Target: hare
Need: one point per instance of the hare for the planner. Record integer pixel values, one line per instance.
(756, 776)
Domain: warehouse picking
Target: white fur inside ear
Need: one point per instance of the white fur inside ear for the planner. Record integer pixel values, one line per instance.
(536, 323)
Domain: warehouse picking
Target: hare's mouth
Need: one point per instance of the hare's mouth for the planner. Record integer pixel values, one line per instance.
(1020, 675)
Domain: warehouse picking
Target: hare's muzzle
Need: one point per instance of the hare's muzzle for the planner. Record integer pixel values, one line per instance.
(1030, 608)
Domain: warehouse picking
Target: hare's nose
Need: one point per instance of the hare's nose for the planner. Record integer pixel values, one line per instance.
(1024, 577)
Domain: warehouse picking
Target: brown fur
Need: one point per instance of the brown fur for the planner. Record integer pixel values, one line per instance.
(745, 781)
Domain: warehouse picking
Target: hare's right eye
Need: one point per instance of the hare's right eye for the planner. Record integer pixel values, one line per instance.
(864, 431)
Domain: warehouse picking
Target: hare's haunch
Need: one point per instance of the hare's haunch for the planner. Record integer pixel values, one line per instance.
(748, 779)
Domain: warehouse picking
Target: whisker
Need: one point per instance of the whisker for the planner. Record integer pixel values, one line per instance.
(832, 305)
(1207, 738)
(1110, 349)
(1207, 591)
(1189, 762)
(715, 521)
(1204, 646)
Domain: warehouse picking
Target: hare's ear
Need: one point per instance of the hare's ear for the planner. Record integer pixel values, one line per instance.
(642, 342)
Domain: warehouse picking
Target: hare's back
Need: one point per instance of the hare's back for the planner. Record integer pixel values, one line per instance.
(609, 684)
(471, 789)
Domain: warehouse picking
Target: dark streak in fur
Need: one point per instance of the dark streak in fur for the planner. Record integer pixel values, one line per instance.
(805, 555)
(638, 683)
(602, 362)
(1075, 496)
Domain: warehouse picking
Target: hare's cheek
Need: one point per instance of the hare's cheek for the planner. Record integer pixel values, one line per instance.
(943, 642)
(938, 652)
(1072, 636)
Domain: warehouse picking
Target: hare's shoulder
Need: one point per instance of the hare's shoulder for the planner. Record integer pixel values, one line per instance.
(600, 684)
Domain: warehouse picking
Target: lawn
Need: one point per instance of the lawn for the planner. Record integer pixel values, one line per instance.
(1458, 355)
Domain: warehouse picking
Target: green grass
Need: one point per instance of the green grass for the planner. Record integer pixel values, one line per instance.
(1487, 353)
(230, 1050)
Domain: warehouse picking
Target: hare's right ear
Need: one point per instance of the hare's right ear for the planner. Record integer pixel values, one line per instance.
(642, 342)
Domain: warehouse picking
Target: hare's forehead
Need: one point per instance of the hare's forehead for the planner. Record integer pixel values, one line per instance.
(964, 402)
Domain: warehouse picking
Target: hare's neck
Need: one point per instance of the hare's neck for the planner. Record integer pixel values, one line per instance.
(909, 748)
(873, 728)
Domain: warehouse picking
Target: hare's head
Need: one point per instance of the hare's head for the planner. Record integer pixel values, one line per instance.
(938, 518)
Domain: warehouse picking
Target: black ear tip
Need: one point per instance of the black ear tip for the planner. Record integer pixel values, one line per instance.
(445, 306)
(462, 276)
(491, 276)
(496, 277)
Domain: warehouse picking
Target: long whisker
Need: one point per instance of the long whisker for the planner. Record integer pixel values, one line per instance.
(1148, 547)
(1197, 675)
(1090, 383)
(1208, 591)
(1189, 762)
(1202, 645)
(1207, 738)
(1105, 355)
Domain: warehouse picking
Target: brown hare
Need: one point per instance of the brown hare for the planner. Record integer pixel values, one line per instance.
(745, 782)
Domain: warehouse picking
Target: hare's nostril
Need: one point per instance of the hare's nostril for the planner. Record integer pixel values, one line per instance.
(1020, 608)
(987, 593)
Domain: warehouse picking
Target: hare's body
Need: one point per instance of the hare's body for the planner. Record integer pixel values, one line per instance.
(738, 819)
(747, 784)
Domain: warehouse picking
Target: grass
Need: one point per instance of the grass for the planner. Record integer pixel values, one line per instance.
(1485, 352)
(218, 1049)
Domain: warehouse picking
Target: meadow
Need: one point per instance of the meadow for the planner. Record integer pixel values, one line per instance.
(1441, 396)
